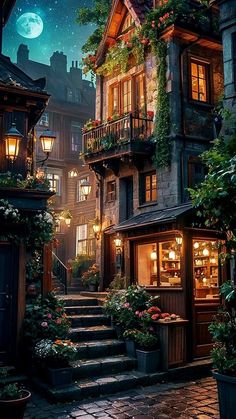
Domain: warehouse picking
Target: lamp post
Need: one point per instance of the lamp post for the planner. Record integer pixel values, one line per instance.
(12, 142)
(85, 188)
(47, 139)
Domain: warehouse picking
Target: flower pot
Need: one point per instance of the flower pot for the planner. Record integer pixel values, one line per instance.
(59, 376)
(14, 409)
(227, 395)
(130, 347)
(148, 361)
(119, 331)
(93, 287)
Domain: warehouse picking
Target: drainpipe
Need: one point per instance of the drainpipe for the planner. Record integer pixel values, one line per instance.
(100, 197)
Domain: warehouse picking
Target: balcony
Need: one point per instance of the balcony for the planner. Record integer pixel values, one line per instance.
(127, 136)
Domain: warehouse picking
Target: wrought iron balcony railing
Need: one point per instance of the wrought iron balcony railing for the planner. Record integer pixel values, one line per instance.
(124, 130)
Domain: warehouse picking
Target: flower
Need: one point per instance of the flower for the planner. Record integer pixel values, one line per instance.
(57, 351)
(44, 324)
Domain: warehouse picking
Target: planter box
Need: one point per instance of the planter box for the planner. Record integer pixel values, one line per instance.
(14, 409)
(130, 347)
(60, 376)
(148, 361)
(227, 395)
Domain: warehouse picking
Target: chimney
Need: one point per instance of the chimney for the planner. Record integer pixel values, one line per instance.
(58, 62)
(22, 55)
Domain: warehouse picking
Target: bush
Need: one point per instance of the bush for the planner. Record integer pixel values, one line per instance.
(80, 264)
(146, 340)
(55, 353)
(119, 282)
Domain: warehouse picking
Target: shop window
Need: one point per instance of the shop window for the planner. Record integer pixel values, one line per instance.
(111, 191)
(148, 188)
(196, 171)
(80, 196)
(55, 183)
(199, 81)
(158, 264)
(205, 269)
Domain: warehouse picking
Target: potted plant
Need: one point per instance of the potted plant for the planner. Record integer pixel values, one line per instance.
(223, 331)
(129, 336)
(13, 398)
(56, 356)
(91, 278)
(148, 352)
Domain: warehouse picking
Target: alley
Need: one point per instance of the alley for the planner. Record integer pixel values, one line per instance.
(193, 399)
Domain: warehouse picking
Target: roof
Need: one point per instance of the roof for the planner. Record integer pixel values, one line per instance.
(7, 6)
(154, 217)
(12, 76)
(137, 9)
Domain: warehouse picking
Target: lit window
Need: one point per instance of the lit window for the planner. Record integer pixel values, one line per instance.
(199, 81)
(81, 239)
(126, 96)
(111, 191)
(148, 188)
(55, 183)
(205, 269)
(80, 195)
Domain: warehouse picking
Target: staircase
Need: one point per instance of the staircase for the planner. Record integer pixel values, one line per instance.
(102, 366)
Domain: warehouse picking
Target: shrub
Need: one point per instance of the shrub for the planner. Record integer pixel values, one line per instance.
(55, 353)
(146, 340)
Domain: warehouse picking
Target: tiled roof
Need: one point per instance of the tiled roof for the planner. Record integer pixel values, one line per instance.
(12, 76)
(154, 217)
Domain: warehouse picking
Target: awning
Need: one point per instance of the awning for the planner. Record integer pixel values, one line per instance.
(153, 217)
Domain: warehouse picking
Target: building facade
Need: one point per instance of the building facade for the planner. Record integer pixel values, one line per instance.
(71, 104)
(143, 205)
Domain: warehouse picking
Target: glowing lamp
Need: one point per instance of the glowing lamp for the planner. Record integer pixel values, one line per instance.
(153, 254)
(68, 221)
(12, 141)
(96, 228)
(196, 245)
(85, 188)
(118, 241)
(47, 139)
(205, 252)
(172, 254)
(73, 173)
(179, 240)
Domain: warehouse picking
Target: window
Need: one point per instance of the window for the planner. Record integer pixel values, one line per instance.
(127, 23)
(127, 96)
(205, 269)
(55, 183)
(158, 264)
(76, 137)
(196, 171)
(78, 98)
(111, 191)
(80, 196)
(199, 81)
(148, 187)
(85, 241)
(69, 94)
(44, 120)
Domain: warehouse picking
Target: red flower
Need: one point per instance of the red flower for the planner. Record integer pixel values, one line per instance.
(164, 315)
(155, 317)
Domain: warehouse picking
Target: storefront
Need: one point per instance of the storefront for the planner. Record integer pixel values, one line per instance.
(180, 264)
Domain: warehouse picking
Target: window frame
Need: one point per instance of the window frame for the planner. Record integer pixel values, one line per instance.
(207, 65)
(112, 193)
(78, 133)
(57, 182)
(79, 194)
(143, 190)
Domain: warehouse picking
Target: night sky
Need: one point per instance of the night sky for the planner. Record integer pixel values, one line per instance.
(60, 31)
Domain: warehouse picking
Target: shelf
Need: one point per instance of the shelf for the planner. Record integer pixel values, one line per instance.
(171, 260)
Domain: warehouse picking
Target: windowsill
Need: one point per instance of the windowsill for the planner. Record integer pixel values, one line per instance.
(150, 204)
(157, 288)
(201, 104)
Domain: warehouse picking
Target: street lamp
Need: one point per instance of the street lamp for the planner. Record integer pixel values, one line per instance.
(96, 228)
(47, 139)
(118, 241)
(85, 188)
(12, 141)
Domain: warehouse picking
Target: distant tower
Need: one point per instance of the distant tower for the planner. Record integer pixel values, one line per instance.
(22, 55)
(58, 62)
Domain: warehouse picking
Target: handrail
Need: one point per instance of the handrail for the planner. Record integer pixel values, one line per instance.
(61, 271)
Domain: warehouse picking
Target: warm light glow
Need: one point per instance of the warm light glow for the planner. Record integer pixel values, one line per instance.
(96, 228)
(85, 188)
(12, 142)
(179, 240)
(73, 173)
(47, 140)
(205, 252)
(172, 254)
(196, 245)
(204, 280)
(68, 221)
(153, 254)
(118, 241)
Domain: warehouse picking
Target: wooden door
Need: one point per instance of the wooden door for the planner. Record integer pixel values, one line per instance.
(203, 315)
(110, 260)
(8, 301)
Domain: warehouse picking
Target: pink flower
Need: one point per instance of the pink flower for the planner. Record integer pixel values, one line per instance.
(58, 309)
(58, 321)
(44, 324)
(155, 317)
(137, 313)
(49, 316)
(126, 305)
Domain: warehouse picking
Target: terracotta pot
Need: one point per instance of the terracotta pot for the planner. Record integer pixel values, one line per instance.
(14, 409)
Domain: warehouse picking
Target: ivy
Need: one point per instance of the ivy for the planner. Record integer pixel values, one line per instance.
(162, 156)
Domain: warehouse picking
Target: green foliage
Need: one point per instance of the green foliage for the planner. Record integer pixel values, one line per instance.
(91, 276)
(119, 282)
(162, 156)
(55, 353)
(9, 180)
(146, 340)
(97, 15)
(80, 264)
(223, 331)
(45, 319)
(9, 391)
(137, 297)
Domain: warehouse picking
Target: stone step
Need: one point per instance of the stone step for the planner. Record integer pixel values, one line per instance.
(71, 300)
(96, 386)
(102, 366)
(99, 348)
(76, 310)
(89, 320)
(91, 333)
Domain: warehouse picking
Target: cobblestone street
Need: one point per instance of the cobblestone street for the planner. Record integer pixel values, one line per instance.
(193, 399)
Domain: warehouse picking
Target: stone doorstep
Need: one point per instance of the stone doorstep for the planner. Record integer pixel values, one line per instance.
(76, 310)
(77, 300)
(91, 333)
(102, 366)
(89, 320)
(97, 349)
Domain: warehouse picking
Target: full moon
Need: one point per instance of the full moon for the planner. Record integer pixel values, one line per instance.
(29, 25)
